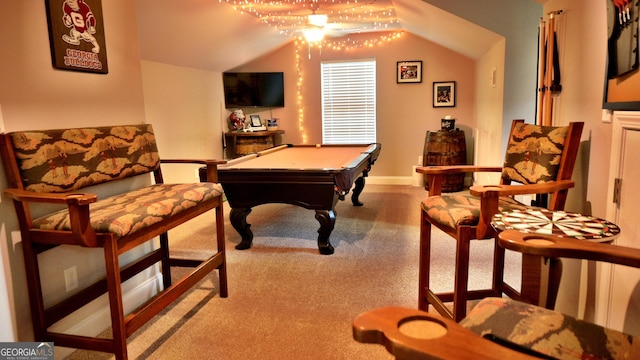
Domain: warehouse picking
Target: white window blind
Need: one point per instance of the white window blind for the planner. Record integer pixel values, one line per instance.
(348, 102)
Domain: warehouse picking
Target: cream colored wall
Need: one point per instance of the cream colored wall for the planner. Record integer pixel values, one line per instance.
(404, 111)
(489, 105)
(33, 95)
(582, 42)
(186, 108)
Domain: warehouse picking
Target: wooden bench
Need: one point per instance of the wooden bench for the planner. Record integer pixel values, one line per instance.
(54, 167)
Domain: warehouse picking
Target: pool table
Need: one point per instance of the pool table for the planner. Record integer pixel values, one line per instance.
(311, 176)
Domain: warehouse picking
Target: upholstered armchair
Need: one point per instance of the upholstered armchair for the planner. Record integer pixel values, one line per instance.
(539, 160)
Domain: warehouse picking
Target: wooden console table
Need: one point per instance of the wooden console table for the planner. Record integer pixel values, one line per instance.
(244, 143)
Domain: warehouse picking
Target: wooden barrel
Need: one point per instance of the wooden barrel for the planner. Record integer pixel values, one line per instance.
(446, 148)
(249, 145)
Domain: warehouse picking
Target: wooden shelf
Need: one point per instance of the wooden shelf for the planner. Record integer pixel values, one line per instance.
(243, 143)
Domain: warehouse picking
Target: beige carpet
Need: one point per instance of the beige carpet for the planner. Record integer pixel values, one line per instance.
(286, 301)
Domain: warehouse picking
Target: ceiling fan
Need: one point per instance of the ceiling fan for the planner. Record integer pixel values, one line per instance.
(315, 19)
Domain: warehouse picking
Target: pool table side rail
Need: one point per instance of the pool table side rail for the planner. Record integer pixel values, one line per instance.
(372, 151)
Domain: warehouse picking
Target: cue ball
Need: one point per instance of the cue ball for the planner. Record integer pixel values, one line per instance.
(318, 146)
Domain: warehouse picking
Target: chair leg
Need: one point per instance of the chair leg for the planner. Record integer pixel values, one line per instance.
(220, 241)
(498, 269)
(114, 286)
(425, 262)
(460, 292)
(166, 266)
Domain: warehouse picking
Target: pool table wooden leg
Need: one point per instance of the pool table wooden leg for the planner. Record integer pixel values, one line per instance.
(238, 218)
(327, 220)
(357, 190)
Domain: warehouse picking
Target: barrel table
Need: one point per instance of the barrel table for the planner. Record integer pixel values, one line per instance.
(445, 148)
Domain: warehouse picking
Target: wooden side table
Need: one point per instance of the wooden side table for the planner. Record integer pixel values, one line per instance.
(245, 143)
(546, 222)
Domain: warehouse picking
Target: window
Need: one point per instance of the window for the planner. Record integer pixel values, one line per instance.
(348, 102)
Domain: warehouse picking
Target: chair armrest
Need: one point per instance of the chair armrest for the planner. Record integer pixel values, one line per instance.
(78, 206)
(511, 190)
(490, 194)
(414, 334)
(554, 246)
(455, 169)
(437, 172)
(51, 198)
(193, 161)
(211, 165)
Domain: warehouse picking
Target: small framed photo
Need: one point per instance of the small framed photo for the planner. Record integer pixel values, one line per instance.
(255, 120)
(409, 72)
(444, 94)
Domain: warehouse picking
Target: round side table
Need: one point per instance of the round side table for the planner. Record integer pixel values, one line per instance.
(537, 288)
(558, 223)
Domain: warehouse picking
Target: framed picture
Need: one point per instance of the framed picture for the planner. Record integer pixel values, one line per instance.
(255, 120)
(409, 72)
(444, 94)
(76, 35)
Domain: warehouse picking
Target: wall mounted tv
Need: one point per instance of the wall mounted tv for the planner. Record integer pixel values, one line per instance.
(253, 89)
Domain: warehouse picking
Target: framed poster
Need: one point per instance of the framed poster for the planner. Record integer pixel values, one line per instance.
(444, 94)
(409, 72)
(623, 75)
(76, 35)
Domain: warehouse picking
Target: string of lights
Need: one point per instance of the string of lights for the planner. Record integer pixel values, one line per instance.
(348, 43)
(301, 127)
(319, 21)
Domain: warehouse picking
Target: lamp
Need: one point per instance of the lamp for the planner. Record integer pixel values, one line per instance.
(314, 34)
(317, 19)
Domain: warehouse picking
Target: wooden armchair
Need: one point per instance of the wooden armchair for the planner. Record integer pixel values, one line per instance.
(500, 328)
(540, 159)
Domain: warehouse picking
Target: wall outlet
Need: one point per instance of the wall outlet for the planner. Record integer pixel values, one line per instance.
(607, 115)
(71, 278)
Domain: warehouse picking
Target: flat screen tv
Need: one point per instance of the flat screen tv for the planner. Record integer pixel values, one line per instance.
(253, 89)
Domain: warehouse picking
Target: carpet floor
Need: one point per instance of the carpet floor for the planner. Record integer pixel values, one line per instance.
(286, 301)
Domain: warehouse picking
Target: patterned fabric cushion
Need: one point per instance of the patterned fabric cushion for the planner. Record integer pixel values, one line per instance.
(129, 212)
(533, 153)
(464, 209)
(69, 159)
(549, 332)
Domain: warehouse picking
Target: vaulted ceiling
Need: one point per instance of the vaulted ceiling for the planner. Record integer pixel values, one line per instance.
(211, 35)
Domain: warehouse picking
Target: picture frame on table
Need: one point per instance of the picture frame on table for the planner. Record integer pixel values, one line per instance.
(255, 120)
(444, 94)
(409, 71)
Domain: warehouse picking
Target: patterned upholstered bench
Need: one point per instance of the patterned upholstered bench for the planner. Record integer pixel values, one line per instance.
(54, 167)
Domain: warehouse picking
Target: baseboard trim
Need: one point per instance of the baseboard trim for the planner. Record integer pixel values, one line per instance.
(389, 180)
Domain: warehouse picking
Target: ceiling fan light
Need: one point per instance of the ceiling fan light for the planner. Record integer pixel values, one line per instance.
(317, 19)
(314, 35)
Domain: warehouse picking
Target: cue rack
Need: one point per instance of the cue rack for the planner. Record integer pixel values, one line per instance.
(548, 69)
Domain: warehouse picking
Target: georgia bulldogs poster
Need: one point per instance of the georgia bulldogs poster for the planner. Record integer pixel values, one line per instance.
(76, 35)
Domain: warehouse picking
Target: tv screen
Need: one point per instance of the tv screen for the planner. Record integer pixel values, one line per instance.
(256, 89)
